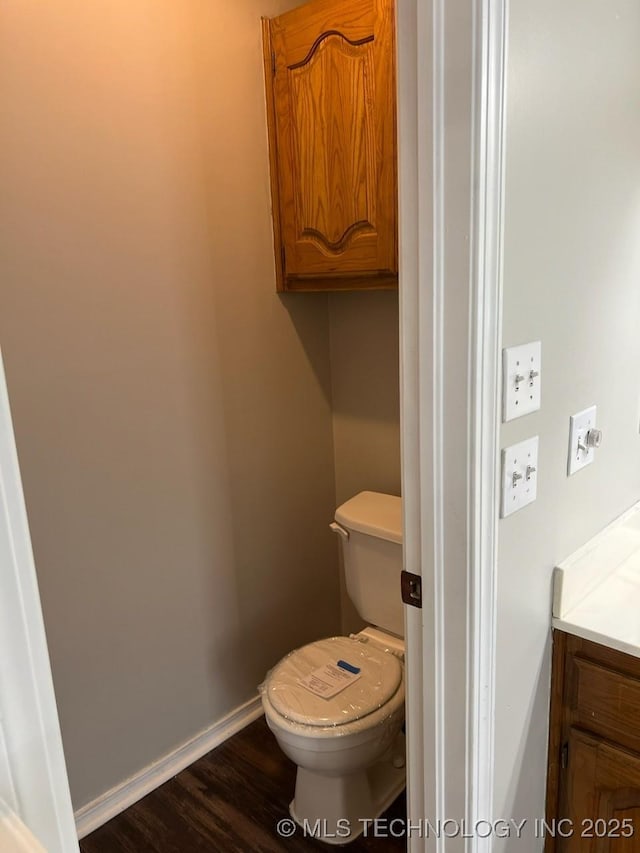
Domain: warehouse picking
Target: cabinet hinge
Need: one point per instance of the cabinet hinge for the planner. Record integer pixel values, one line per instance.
(273, 62)
(564, 756)
(411, 586)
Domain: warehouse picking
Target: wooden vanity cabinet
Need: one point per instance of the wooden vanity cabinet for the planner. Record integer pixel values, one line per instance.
(331, 108)
(594, 749)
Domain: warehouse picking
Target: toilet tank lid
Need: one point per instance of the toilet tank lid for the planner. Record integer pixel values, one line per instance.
(373, 513)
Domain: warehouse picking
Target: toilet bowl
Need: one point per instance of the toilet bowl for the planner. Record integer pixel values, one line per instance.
(336, 706)
(349, 749)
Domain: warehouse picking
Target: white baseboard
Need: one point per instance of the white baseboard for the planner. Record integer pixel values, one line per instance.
(108, 805)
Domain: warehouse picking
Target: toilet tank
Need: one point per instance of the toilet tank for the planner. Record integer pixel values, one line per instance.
(370, 527)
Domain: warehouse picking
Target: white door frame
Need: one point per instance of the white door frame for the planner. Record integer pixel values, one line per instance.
(451, 69)
(33, 776)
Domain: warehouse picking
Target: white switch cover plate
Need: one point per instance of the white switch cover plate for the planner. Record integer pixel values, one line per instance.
(519, 476)
(579, 425)
(521, 380)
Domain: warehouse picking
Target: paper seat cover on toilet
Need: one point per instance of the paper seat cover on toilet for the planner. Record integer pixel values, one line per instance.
(379, 679)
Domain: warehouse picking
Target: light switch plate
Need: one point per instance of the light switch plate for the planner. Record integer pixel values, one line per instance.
(519, 476)
(579, 425)
(521, 380)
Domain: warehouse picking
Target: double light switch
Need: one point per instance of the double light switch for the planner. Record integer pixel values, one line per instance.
(519, 475)
(521, 394)
(521, 380)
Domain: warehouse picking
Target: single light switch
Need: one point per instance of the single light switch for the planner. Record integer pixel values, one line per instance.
(521, 380)
(584, 438)
(519, 476)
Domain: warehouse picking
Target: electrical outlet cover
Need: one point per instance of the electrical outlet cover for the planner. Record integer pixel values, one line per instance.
(579, 425)
(521, 397)
(519, 476)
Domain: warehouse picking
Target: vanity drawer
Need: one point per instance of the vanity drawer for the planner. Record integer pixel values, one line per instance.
(607, 703)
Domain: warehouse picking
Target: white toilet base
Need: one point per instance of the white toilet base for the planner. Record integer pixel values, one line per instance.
(335, 809)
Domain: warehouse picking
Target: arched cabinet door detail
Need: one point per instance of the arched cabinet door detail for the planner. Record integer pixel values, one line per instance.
(330, 79)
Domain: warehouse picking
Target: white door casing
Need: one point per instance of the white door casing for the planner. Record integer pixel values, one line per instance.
(451, 100)
(33, 778)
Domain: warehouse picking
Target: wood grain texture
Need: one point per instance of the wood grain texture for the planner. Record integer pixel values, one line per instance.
(556, 716)
(267, 52)
(610, 658)
(607, 703)
(595, 717)
(603, 789)
(332, 119)
(334, 149)
(227, 802)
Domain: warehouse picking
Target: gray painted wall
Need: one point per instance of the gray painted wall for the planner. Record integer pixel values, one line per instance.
(173, 414)
(366, 402)
(571, 279)
(365, 389)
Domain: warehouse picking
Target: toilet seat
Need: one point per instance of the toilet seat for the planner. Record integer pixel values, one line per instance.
(373, 677)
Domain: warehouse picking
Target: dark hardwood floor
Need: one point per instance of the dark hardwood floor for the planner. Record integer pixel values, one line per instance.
(227, 802)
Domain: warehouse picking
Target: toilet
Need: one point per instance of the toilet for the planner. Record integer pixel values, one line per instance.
(336, 706)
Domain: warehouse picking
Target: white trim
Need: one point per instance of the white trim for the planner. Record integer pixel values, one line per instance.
(14, 835)
(33, 767)
(113, 802)
(433, 352)
(441, 49)
(7, 784)
(487, 227)
(415, 140)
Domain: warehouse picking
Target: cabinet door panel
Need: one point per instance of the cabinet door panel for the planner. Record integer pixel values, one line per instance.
(602, 790)
(334, 156)
(606, 702)
(334, 116)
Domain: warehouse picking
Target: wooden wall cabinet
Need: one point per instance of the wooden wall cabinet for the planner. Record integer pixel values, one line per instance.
(331, 108)
(594, 749)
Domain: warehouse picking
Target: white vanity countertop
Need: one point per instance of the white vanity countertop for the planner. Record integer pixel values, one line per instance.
(596, 591)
